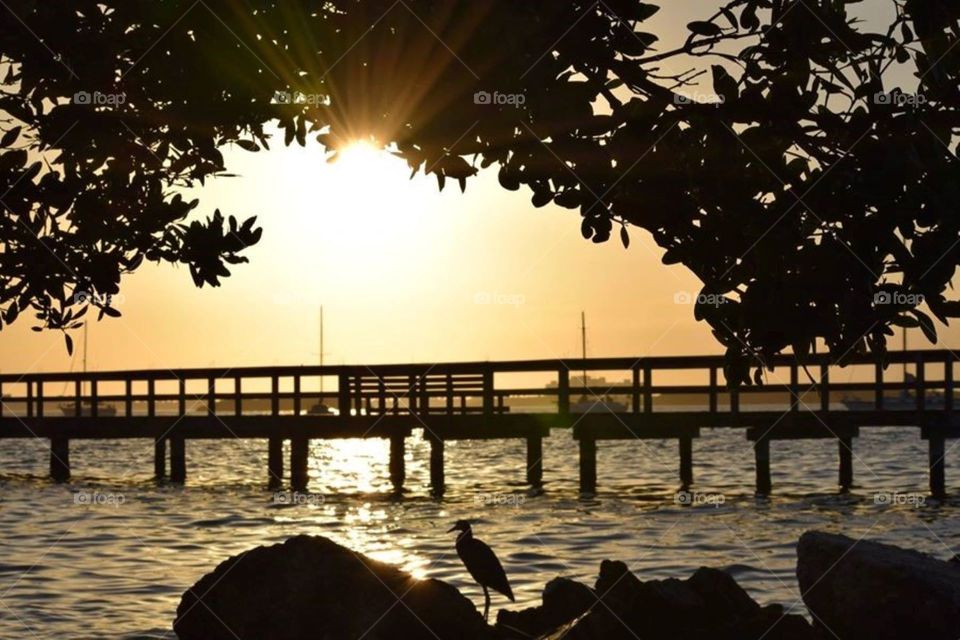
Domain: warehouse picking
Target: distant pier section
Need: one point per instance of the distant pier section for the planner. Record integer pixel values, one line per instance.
(670, 398)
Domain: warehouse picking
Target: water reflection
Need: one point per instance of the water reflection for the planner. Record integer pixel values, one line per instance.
(107, 570)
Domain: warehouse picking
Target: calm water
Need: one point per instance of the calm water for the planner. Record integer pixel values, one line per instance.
(111, 570)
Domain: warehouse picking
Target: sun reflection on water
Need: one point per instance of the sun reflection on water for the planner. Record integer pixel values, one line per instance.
(354, 466)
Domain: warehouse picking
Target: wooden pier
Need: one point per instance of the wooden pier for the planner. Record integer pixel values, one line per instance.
(657, 398)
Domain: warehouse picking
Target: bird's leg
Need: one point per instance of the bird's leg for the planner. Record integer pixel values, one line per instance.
(486, 604)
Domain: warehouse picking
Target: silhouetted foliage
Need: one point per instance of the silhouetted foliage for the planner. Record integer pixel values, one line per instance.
(809, 193)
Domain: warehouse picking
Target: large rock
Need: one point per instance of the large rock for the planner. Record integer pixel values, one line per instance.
(310, 588)
(867, 590)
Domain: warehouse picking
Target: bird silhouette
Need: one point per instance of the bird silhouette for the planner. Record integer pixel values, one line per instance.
(482, 563)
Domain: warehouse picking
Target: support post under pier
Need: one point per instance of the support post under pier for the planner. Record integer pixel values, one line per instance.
(398, 470)
(588, 465)
(60, 459)
(535, 461)
(938, 476)
(178, 459)
(275, 463)
(437, 480)
(846, 463)
(686, 461)
(299, 457)
(160, 458)
(761, 450)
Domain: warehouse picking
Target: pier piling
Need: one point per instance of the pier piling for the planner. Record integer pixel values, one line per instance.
(846, 463)
(275, 463)
(178, 459)
(60, 459)
(398, 470)
(686, 461)
(761, 449)
(437, 480)
(588, 465)
(938, 480)
(535, 461)
(299, 458)
(160, 458)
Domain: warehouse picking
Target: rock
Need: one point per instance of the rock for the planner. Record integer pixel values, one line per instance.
(709, 605)
(705, 604)
(310, 587)
(563, 601)
(861, 589)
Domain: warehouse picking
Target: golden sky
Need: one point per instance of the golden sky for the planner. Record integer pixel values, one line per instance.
(405, 274)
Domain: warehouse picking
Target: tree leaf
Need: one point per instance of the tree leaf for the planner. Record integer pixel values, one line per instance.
(10, 137)
(731, 18)
(749, 19)
(704, 28)
(926, 325)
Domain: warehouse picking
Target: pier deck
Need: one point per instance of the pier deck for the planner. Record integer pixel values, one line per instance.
(808, 399)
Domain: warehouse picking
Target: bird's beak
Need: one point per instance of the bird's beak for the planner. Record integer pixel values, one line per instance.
(451, 529)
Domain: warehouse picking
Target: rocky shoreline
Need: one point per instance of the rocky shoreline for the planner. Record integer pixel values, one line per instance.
(311, 587)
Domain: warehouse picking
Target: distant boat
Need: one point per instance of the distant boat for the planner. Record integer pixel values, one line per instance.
(598, 405)
(905, 401)
(594, 404)
(86, 406)
(320, 408)
(86, 410)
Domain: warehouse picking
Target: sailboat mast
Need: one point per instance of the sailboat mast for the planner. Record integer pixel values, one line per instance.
(85, 340)
(583, 345)
(904, 349)
(321, 348)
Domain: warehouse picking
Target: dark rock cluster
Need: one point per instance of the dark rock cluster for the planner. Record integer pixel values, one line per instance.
(708, 605)
(312, 588)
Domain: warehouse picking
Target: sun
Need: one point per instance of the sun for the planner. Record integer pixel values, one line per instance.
(366, 180)
(356, 212)
(360, 158)
(366, 195)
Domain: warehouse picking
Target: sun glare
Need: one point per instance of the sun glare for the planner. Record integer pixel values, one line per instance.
(367, 182)
(360, 211)
(359, 156)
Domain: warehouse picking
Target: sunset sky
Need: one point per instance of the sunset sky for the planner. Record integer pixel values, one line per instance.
(404, 272)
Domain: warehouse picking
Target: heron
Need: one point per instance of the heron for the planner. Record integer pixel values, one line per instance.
(482, 563)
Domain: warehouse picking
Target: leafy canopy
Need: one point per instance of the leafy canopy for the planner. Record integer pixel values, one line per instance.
(812, 195)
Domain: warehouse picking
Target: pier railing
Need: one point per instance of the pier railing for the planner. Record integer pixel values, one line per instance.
(647, 398)
(641, 385)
